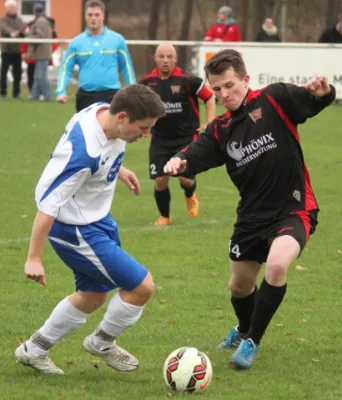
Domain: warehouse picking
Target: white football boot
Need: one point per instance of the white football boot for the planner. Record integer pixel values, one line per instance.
(115, 357)
(41, 363)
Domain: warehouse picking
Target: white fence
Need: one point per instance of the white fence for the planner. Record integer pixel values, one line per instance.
(266, 62)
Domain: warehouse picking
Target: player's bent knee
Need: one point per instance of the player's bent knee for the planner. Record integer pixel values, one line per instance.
(146, 289)
(241, 289)
(161, 182)
(276, 268)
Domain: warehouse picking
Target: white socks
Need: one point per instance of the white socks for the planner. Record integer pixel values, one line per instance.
(118, 317)
(64, 319)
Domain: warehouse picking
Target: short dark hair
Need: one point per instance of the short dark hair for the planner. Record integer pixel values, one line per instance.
(223, 60)
(94, 3)
(138, 101)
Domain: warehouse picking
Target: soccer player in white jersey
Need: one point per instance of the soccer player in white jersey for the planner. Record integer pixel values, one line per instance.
(74, 196)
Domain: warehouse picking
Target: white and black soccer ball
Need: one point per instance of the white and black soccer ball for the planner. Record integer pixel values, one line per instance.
(187, 370)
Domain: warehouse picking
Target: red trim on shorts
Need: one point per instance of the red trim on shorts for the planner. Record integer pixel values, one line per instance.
(305, 217)
(195, 136)
(310, 201)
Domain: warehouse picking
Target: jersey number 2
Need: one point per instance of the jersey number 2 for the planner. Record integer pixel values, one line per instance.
(153, 169)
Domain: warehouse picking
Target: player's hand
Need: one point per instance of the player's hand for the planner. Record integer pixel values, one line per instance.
(318, 86)
(175, 166)
(63, 98)
(34, 270)
(130, 179)
(202, 128)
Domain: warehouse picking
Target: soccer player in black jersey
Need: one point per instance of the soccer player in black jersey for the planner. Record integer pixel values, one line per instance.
(179, 127)
(257, 140)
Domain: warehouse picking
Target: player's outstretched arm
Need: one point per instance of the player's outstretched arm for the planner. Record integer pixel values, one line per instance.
(33, 267)
(175, 166)
(130, 179)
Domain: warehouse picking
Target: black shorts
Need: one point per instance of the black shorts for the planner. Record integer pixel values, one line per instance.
(253, 244)
(160, 154)
(85, 99)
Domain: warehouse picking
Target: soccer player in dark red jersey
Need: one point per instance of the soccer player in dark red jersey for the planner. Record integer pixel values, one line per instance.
(180, 93)
(258, 142)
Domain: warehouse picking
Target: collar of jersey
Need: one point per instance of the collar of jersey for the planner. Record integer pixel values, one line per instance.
(175, 71)
(102, 138)
(105, 30)
(249, 96)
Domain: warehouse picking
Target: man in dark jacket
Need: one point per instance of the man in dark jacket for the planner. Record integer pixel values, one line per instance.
(332, 35)
(268, 32)
(11, 26)
(41, 52)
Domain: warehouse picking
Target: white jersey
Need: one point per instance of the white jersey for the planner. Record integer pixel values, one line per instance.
(77, 186)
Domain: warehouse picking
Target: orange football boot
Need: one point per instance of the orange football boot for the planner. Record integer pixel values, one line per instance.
(163, 221)
(192, 205)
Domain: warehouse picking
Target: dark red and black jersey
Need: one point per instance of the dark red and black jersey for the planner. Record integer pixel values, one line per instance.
(180, 93)
(260, 146)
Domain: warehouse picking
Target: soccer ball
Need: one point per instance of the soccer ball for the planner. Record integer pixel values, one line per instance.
(187, 370)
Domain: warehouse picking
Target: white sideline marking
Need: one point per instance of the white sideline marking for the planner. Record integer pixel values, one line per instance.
(147, 228)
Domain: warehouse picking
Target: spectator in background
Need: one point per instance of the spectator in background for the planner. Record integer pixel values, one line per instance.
(268, 32)
(31, 62)
(11, 26)
(41, 53)
(332, 35)
(225, 28)
(99, 53)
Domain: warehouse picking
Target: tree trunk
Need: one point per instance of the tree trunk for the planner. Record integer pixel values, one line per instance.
(167, 15)
(184, 35)
(331, 13)
(244, 21)
(152, 30)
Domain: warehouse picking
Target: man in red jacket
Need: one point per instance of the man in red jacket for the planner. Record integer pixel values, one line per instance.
(225, 28)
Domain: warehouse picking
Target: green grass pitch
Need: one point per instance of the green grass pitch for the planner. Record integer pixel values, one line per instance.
(300, 356)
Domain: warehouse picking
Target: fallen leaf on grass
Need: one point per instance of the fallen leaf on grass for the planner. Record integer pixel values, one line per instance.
(96, 364)
(302, 340)
(69, 362)
(300, 268)
(172, 322)
(314, 359)
(19, 340)
(213, 275)
(162, 301)
(217, 308)
(287, 334)
(280, 324)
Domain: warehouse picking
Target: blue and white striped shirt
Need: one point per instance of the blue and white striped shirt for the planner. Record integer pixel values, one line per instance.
(99, 59)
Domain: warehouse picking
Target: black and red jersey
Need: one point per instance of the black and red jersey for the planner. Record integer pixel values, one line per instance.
(260, 147)
(180, 93)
